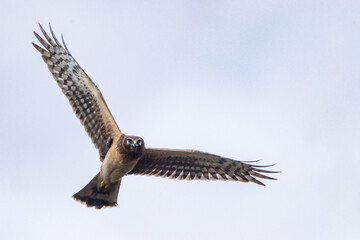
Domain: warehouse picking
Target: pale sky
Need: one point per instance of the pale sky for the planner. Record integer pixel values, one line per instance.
(271, 80)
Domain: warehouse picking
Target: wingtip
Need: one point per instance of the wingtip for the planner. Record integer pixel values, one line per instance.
(36, 34)
(42, 29)
(252, 161)
(53, 35)
(258, 182)
(264, 166)
(50, 27)
(62, 39)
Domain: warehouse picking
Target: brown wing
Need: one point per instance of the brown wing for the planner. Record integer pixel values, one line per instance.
(84, 96)
(192, 165)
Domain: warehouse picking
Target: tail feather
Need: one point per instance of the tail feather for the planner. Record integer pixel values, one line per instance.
(92, 197)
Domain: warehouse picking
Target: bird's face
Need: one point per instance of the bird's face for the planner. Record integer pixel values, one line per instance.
(133, 144)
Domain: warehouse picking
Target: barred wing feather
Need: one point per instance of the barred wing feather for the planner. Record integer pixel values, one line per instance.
(83, 95)
(192, 165)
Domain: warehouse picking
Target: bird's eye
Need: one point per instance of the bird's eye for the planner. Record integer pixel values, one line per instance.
(129, 140)
(139, 142)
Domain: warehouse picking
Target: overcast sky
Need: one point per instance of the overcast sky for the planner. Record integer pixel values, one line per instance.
(271, 80)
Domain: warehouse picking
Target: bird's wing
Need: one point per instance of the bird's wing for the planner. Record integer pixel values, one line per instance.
(84, 96)
(192, 165)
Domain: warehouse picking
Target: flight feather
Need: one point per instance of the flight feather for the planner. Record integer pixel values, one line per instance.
(83, 95)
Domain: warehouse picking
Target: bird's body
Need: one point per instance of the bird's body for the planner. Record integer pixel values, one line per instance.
(121, 154)
(119, 160)
(116, 165)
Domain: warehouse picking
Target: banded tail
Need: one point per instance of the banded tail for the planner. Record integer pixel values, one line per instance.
(92, 197)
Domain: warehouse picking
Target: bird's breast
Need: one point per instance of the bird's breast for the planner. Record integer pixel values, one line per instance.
(117, 165)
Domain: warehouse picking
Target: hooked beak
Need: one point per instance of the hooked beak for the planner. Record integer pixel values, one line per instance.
(134, 145)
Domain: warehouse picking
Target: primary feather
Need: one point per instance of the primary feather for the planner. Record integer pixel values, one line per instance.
(192, 165)
(83, 95)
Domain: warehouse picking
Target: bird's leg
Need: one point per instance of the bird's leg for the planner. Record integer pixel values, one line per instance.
(102, 186)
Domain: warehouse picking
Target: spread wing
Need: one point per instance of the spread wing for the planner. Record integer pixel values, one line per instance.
(84, 96)
(192, 165)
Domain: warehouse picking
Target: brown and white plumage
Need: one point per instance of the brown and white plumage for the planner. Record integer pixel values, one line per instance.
(121, 154)
(84, 96)
(194, 165)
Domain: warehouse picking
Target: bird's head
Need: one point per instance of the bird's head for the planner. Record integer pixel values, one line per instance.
(132, 145)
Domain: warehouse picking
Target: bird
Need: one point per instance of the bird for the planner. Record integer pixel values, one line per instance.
(122, 154)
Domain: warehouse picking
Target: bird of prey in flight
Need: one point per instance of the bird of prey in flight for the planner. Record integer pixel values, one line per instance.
(123, 154)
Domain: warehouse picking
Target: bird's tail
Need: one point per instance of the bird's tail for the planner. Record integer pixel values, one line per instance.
(95, 196)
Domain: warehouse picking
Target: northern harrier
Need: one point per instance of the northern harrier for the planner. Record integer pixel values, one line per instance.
(121, 154)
